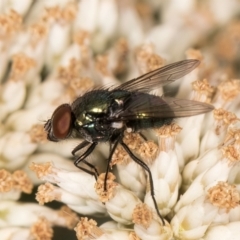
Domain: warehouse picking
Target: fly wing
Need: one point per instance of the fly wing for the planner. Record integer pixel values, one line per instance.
(145, 106)
(160, 76)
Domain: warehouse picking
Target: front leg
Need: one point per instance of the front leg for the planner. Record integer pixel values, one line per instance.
(80, 146)
(82, 157)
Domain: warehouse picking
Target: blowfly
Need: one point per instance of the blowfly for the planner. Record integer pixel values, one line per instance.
(102, 115)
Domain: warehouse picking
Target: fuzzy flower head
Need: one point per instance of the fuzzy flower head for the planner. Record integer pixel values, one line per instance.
(224, 195)
(178, 180)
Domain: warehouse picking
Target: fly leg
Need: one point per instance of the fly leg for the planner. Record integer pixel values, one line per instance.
(112, 150)
(146, 168)
(143, 136)
(83, 156)
(79, 147)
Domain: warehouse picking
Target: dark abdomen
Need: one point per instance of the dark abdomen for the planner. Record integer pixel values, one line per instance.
(141, 124)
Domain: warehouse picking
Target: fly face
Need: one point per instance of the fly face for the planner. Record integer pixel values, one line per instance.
(103, 115)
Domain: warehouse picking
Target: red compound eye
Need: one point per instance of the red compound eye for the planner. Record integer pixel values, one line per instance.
(61, 121)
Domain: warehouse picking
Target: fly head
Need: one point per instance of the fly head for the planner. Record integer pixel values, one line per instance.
(59, 126)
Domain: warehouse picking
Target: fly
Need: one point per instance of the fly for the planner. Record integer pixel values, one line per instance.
(103, 115)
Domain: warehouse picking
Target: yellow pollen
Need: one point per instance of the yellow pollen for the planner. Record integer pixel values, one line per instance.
(47, 193)
(41, 169)
(224, 195)
(87, 229)
(142, 215)
(6, 181)
(22, 182)
(105, 196)
(42, 230)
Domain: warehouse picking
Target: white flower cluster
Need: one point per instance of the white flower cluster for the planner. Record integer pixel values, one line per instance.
(51, 52)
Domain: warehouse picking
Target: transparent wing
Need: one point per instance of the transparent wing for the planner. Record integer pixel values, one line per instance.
(160, 76)
(143, 106)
